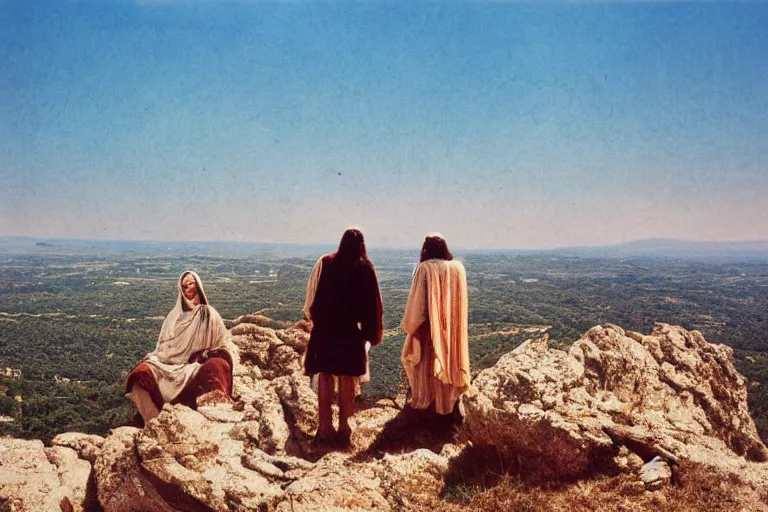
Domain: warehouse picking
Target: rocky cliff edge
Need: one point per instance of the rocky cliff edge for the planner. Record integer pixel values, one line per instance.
(618, 404)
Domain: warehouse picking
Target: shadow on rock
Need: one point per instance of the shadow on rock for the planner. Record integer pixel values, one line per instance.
(412, 429)
(475, 469)
(484, 467)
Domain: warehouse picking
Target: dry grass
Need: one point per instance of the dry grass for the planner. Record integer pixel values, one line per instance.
(695, 489)
(482, 479)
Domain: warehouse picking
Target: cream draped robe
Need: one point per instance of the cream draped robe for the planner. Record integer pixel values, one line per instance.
(187, 329)
(437, 365)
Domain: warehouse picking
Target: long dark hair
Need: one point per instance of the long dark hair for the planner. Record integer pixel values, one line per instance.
(435, 248)
(352, 246)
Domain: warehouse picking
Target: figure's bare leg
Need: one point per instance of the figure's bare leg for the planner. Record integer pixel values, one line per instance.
(144, 403)
(324, 399)
(346, 404)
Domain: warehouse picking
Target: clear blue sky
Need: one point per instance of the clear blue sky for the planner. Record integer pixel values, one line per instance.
(502, 125)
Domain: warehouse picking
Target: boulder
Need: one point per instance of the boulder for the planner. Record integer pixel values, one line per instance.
(334, 484)
(648, 406)
(73, 474)
(272, 433)
(87, 446)
(668, 394)
(35, 480)
(299, 405)
(120, 482)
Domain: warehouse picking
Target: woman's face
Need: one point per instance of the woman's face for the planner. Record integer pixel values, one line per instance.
(189, 288)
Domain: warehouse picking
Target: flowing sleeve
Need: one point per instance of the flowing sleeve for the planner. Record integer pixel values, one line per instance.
(373, 311)
(373, 321)
(314, 279)
(166, 331)
(416, 307)
(223, 339)
(219, 333)
(464, 326)
(458, 344)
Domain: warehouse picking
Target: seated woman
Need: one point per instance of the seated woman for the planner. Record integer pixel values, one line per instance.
(343, 304)
(436, 350)
(193, 356)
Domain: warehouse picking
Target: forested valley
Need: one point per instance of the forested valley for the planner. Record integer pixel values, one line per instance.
(75, 320)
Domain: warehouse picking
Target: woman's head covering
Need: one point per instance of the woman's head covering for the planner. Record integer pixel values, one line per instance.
(183, 301)
(189, 327)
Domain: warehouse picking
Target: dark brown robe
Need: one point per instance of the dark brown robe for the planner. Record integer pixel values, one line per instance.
(346, 312)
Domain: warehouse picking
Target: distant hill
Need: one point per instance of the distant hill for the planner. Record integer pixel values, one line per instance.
(670, 248)
(754, 250)
(144, 248)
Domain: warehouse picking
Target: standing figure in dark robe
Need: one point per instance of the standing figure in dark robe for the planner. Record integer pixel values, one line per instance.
(194, 355)
(343, 305)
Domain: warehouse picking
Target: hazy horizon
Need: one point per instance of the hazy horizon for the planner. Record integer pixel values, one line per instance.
(647, 245)
(517, 126)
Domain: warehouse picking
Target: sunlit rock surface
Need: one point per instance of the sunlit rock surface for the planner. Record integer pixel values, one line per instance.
(609, 405)
(668, 394)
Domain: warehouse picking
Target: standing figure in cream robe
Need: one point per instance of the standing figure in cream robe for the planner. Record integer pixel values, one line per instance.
(436, 350)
